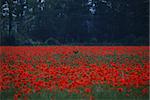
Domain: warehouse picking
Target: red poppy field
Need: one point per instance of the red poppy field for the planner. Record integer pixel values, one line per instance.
(74, 73)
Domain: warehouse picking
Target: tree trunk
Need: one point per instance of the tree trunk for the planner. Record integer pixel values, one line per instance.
(10, 17)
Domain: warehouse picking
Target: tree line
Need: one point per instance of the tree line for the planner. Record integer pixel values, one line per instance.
(71, 22)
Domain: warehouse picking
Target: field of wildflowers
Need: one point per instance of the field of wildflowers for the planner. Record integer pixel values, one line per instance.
(74, 73)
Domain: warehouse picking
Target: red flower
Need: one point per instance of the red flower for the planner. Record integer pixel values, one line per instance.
(92, 98)
(88, 90)
(144, 91)
(16, 96)
(127, 95)
(120, 89)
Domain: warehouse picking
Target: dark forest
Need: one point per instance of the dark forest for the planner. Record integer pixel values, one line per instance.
(74, 22)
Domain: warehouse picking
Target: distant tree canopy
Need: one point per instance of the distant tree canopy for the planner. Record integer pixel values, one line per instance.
(60, 22)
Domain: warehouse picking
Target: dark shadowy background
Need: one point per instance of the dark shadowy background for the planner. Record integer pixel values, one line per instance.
(74, 22)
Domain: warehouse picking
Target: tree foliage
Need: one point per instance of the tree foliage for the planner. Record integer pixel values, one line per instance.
(74, 21)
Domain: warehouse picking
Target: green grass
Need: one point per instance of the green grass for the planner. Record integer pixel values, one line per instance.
(59, 95)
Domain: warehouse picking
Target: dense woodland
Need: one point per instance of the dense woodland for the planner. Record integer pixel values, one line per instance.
(74, 22)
